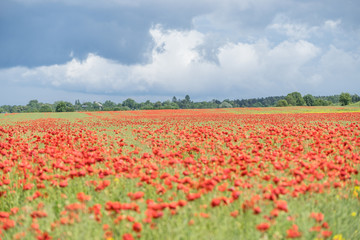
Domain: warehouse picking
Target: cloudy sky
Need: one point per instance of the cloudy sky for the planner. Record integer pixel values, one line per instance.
(154, 49)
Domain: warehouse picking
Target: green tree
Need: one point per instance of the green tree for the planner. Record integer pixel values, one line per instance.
(77, 105)
(217, 102)
(157, 105)
(282, 103)
(87, 106)
(309, 100)
(290, 100)
(174, 105)
(33, 106)
(258, 104)
(6, 108)
(355, 98)
(169, 105)
(185, 103)
(62, 106)
(225, 104)
(45, 108)
(147, 105)
(130, 103)
(295, 99)
(109, 105)
(345, 99)
(17, 109)
(321, 102)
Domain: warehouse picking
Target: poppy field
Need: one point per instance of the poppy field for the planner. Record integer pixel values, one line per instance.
(181, 174)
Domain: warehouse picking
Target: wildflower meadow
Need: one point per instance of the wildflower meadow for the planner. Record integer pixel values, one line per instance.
(266, 173)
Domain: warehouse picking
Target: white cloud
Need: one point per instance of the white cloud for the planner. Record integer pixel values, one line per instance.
(283, 25)
(315, 80)
(341, 67)
(235, 48)
(331, 24)
(294, 30)
(239, 58)
(177, 67)
(293, 54)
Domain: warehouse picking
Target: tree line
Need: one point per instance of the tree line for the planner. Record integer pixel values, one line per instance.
(292, 99)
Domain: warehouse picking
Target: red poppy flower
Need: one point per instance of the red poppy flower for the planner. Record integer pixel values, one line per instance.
(137, 227)
(293, 232)
(262, 227)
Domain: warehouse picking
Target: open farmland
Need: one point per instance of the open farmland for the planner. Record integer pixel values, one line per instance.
(181, 174)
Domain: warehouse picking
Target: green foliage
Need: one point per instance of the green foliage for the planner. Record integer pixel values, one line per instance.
(33, 106)
(169, 105)
(321, 102)
(295, 99)
(309, 100)
(292, 99)
(64, 107)
(282, 103)
(61, 107)
(130, 103)
(17, 109)
(254, 102)
(345, 99)
(109, 104)
(186, 103)
(355, 98)
(357, 104)
(6, 108)
(45, 108)
(225, 104)
(87, 106)
(258, 104)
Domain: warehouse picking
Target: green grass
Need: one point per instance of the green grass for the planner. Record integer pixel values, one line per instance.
(357, 104)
